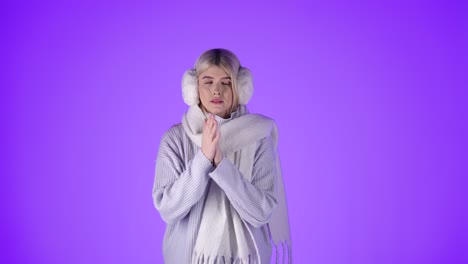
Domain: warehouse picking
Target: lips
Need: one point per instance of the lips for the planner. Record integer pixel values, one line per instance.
(216, 101)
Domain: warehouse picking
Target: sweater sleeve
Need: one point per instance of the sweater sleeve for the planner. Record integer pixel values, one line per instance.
(256, 200)
(176, 188)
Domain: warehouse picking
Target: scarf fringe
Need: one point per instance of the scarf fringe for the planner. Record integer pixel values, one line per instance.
(286, 255)
(204, 259)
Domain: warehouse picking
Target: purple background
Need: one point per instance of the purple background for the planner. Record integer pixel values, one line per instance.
(370, 99)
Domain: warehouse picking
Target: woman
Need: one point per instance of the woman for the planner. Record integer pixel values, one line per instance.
(218, 183)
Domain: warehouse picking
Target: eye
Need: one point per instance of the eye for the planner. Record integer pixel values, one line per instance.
(208, 82)
(226, 83)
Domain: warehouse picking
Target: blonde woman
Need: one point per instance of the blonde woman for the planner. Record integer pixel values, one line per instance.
(218, 182)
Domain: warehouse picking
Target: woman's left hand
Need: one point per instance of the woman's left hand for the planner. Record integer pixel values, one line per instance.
(218, 156)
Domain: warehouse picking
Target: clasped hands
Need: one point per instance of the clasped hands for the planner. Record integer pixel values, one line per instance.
(210, 140)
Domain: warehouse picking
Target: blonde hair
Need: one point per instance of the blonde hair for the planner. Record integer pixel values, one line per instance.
(227, 61)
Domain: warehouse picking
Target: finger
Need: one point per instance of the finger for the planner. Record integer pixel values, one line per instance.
(216, 139)
(215, 126)
(207, 123)
(205, 126)
(212, 122)
(213, 132)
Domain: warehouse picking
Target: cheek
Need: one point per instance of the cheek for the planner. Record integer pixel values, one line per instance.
(202, 92)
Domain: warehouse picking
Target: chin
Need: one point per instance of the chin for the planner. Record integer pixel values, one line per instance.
(216, 111)
(219, 113)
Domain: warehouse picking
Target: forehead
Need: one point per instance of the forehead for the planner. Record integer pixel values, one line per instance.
(214, 72)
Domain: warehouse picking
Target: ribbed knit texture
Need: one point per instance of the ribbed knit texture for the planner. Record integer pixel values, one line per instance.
(182, 176)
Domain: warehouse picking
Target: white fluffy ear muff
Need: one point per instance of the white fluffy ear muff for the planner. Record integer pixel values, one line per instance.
(190, 86)
(245, 85)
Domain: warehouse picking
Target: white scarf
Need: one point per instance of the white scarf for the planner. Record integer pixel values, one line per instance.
(223, 234)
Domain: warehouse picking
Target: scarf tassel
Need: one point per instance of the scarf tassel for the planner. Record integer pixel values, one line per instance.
(286, 255)
(203, 259)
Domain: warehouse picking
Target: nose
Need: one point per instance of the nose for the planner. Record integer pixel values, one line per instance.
(217, 90)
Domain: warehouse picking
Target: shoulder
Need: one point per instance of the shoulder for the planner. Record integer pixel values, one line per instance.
(266, 142)
(269, 125)
(268, 121)
(174, 134)
(262, 118)
(265, 149)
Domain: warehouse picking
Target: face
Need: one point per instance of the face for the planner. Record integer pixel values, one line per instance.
(214, 88)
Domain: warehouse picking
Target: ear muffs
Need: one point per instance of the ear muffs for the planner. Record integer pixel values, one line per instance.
(190, 86)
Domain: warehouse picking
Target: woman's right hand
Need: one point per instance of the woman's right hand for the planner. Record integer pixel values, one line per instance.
(210, 137)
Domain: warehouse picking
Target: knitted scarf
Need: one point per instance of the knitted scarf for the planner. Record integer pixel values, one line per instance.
(223, 235)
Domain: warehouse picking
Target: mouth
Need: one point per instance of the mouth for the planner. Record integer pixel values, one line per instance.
(216, 101)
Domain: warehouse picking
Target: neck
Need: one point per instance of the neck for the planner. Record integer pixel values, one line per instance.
(205, 111)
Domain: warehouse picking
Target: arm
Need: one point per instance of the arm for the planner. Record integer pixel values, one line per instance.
(254, 201)
(176, 189)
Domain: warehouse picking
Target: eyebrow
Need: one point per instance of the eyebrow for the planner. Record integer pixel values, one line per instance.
(209, 77)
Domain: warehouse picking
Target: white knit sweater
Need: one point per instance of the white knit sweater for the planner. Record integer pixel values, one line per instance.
(182, 176)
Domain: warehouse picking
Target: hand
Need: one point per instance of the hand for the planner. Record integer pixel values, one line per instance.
(210, 137)
(218, 156)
